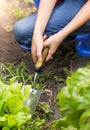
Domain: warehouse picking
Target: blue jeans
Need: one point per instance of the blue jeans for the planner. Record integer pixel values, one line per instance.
(61, 16)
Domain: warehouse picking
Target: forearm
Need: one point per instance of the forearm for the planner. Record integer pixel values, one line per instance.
(43, 15)
(80, 19)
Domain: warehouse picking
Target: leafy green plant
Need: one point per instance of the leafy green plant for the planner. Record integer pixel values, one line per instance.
(19, 13)
(8, 70)
(13, 112)
(11, 78)
(74, 102)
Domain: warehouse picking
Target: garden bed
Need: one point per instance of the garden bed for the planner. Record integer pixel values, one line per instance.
(55, 71)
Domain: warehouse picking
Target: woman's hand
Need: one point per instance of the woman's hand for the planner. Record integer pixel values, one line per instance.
(37, 47)
(52, 43)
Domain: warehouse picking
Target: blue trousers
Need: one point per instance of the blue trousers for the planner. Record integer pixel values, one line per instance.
(61, 16)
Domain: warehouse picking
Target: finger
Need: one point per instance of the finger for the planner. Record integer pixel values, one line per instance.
(49, 56)
(34, 57)
(39, 54)
(33, 52)
(46, 43)
(44, 37)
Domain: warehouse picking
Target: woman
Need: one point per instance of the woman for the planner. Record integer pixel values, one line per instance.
(52, 24)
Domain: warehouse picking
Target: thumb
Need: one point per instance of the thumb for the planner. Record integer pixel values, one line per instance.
(49, 56)
(45, 43)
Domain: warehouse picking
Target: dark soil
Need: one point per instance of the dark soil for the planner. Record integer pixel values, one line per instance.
(65, 57)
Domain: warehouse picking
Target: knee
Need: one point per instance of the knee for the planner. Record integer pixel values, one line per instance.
(18, 31)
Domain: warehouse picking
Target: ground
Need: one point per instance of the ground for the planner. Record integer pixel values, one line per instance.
(65, 57)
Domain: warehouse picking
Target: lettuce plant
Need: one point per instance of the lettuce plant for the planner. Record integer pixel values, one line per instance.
(74, 102)
(13, 112)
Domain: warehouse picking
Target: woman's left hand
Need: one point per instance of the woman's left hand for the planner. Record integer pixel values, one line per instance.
(52, 43)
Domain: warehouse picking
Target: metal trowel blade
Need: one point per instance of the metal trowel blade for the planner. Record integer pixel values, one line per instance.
(33, 99)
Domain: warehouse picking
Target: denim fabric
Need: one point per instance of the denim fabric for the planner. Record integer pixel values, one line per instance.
(37, 3)
(61, 16)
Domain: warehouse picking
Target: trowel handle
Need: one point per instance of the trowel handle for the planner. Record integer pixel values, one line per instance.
(39, 64)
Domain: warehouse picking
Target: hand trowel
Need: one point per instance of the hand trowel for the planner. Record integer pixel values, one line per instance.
(34, 94)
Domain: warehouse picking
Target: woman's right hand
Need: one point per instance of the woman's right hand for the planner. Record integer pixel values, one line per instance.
(37, 46)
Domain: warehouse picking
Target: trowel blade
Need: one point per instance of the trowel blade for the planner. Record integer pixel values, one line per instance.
(33, 99)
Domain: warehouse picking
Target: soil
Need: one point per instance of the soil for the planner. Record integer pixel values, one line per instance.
(65, 56)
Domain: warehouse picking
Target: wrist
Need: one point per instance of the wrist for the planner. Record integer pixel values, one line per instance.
(61, 35)
(39, 28)
(37, 32)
